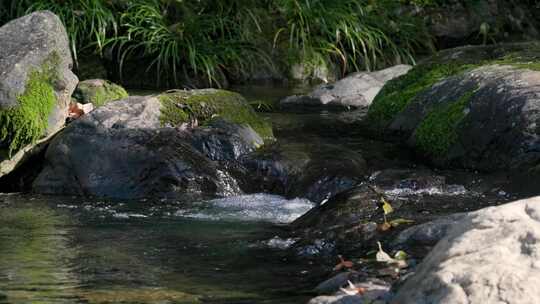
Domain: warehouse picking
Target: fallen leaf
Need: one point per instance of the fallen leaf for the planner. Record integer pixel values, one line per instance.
(400, 221)
(384, 226)
(401, 255)
(343, 264)
(382, 256)
(352, 290)
(387, 208)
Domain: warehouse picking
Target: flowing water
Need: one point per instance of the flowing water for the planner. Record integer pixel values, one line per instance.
(73, 250)
(68, 250)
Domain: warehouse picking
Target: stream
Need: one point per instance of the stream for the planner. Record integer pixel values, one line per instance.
(231, 250)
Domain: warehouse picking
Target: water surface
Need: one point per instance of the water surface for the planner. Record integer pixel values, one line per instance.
(68, 250)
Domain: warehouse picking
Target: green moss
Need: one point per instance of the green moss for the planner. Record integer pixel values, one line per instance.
(438, 131)
(181, 106)
(399, 92)
(521, 60)
(27, 122)
(99, 92)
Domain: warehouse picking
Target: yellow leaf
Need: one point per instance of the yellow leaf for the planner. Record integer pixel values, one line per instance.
(387, 208)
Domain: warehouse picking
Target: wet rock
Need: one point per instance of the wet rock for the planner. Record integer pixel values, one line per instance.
(338, 299)
(474, 107)
(125, 149)
(489, 256)
(351, 220)
(221, 140)
(98, 92)
(354, 91)
(428, 233)
(314, 171)
(374, 291)
(334, 283)
(35, 77)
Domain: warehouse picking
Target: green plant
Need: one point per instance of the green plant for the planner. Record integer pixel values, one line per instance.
(195, 38)
(356, 34)
(89, 23)
(399, 92)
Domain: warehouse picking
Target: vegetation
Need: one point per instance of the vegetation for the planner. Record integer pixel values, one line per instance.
(98, 92)
(438, 131)
(218, 39)
(356, 34)
(28, 122)
(203, 105)
(399, 92)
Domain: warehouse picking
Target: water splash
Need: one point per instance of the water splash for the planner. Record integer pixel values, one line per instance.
(253, 207)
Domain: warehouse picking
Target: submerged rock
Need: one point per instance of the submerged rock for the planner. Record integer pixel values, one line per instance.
(314, 171)
(140, 147)
(489, 256)
(98, 92)
(354, 91)
(36, 83)
(473, 107)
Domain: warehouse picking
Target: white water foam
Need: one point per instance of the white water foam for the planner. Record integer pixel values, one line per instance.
(253, 207)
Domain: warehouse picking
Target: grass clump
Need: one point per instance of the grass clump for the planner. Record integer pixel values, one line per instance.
(217, 40)
(399, 92)
(354, 35)
(28, 121)
(203, 105)
(437, 133)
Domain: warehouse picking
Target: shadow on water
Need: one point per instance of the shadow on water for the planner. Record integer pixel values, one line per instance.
(57, 250)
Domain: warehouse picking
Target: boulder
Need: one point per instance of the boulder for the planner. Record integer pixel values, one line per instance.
(98, 92)
(490, 256)
(352, 220)
(470, 107)
(36, 83)
(313, 171)
(354, 91)
(149, 147)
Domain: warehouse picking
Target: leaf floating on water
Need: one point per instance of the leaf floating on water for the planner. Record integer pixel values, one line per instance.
(343, 264)
(387, 208)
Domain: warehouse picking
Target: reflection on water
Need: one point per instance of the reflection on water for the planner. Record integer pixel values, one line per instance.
(63, 250)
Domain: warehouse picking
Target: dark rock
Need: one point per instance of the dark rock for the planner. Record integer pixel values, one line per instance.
(475, 108)
(334, 283)
(313, 171)
(428, 233)
(122, 150)
(350, 221)
(459, 22)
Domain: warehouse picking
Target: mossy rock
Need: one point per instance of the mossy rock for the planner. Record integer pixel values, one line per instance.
(98, 92)
(398, 93)
(472, 107)
(180, 107)
(28, 122)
